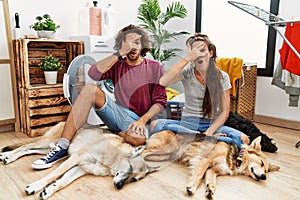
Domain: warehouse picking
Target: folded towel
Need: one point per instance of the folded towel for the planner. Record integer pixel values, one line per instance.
(171, 93)
(233, 67)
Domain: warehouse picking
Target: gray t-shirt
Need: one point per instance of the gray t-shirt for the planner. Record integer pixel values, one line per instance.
(194, 91)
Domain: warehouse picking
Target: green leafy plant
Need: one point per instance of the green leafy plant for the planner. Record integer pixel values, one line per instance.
(44, 23)
(154, 21)
(49, 63)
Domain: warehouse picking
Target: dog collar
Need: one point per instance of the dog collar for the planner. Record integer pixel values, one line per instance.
(240, 155)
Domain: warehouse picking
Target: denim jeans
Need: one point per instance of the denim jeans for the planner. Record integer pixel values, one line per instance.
(193, 125)
(116, 117)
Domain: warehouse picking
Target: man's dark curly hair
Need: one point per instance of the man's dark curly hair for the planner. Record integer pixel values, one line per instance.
(145, 38)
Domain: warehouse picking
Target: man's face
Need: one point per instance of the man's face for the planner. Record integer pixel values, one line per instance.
(135, 52)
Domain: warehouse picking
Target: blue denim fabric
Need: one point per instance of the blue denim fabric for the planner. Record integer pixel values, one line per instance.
(193, 125)
(116, 117)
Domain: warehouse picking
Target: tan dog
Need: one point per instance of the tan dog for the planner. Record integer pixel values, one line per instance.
(209, 159)
(91, 152)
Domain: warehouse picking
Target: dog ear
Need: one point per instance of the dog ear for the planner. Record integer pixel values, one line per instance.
(256, 143)
(138, 150)
(273, 168)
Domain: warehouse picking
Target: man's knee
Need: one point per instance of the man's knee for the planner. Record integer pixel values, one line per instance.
(94, 94)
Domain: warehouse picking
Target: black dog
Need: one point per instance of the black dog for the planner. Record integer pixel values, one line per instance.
(246, 126)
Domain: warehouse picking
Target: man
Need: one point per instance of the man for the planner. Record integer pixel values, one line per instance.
(139, 97)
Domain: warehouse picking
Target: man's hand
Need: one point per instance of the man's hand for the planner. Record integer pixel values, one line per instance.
(130, 45)
(137, 129)
(135, 135)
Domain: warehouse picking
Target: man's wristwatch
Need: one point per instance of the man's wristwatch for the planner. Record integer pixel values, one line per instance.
(118, 55)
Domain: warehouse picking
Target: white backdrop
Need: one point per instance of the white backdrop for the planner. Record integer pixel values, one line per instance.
(246, 43)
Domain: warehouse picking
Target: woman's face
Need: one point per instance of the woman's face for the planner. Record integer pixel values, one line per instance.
(202, 60)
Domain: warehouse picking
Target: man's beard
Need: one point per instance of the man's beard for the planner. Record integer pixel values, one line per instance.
(133, 58)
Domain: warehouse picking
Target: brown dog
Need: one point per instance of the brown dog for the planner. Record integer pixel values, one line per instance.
(209, 158)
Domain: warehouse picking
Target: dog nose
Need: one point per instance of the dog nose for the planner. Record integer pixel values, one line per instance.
(119, 185)
(263, 177)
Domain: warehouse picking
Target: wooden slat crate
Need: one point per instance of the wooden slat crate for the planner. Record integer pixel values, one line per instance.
(41, 105)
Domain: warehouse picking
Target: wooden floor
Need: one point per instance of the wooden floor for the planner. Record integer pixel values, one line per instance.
(168, 183)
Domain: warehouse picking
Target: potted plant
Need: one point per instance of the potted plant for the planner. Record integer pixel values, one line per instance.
(50, 66)
(45, 27)
(154, 21)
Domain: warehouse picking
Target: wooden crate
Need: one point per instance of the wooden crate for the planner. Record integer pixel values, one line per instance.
(41, 105)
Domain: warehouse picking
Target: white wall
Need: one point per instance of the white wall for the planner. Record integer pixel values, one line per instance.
(66, 14)
(271, 101)
(238, 34)
(6, 103)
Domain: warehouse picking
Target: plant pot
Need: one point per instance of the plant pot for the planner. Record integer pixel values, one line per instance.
(46, 34)
(50, 77)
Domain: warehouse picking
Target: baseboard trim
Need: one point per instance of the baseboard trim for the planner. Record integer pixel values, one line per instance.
(7, 125)
(285, 123)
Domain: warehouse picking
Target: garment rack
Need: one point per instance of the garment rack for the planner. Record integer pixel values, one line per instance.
(269, 19)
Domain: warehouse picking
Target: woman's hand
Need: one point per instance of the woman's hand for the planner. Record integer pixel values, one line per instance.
(196, 52)
(245, 138)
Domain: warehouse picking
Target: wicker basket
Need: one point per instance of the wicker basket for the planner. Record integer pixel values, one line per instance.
(243, 103)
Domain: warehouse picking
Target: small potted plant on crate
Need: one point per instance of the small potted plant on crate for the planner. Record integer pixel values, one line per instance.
(45, 27)
(50, 66)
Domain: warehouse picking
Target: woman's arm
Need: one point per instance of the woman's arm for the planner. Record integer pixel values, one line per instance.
(173, 74)
(222, 117)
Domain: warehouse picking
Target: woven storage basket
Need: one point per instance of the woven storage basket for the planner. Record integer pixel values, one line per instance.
(243, 103)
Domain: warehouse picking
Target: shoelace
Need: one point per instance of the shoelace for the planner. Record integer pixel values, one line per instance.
(54, 149)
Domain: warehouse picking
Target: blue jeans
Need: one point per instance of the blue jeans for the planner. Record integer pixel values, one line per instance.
(193, 125)
(116, 117)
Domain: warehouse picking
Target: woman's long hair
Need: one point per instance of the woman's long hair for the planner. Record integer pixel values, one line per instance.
(212, 102)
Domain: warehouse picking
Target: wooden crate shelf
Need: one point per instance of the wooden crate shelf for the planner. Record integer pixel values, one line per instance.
(41, 105)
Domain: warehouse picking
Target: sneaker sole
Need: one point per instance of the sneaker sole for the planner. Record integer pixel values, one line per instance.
(46, 166)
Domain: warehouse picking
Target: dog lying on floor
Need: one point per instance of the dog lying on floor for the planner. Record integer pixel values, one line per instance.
(117, 159)
(209, 158)
(107, 155)
(246, 126)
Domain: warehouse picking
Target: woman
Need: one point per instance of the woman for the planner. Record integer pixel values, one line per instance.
(207, 94)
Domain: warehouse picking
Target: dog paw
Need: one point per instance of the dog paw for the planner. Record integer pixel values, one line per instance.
(48, 191)
(190, 190)
(5, 158)
(32, 189)
(209, 192)
(2, 156)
